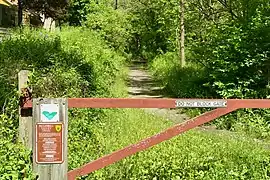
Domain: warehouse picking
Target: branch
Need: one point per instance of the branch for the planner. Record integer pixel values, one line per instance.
(229, 8)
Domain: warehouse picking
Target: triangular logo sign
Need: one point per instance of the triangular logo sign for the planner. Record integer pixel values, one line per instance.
(58, 128)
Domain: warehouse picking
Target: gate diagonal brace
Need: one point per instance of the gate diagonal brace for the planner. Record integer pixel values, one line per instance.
(149, 142)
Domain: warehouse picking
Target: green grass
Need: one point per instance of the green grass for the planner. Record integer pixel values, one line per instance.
(193, 155)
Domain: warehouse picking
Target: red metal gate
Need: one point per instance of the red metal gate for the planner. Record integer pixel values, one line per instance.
(223, 107)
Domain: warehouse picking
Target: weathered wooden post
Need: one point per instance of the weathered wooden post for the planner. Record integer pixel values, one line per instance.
(25, 115)
(50, 127)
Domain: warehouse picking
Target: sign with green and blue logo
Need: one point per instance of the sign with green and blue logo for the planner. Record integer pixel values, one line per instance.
(49, 112)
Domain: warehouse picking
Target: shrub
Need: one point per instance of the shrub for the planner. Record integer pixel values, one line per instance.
(192, 81)
(73, 63)
(15, 161)
(179, 82)
(112, 25)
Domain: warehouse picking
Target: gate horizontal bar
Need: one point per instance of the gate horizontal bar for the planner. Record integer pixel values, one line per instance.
(160, 103)
(148, 142)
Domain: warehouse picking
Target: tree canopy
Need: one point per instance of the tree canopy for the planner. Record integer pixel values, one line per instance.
(50, 8)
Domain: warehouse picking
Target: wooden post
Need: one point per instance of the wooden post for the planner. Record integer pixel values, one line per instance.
(25, 115)
(50, 127)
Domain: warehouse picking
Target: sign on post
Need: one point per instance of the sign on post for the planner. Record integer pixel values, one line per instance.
(49, 113)
(49, 143)
(50, 124)
(215, 103)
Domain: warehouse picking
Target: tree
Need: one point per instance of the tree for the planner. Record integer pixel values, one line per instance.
(155, 25)
(54, 9)
(77, 11)
(20, 12)
(182, 33)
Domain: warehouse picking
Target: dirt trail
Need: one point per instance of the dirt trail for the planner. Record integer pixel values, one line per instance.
(142, 85)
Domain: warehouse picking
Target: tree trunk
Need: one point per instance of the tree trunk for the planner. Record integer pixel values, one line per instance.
(182, 33)
(116, 4)
(20, 13)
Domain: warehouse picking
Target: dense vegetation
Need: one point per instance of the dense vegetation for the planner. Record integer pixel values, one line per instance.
(227, 53)
(75, 63)
(227, 50)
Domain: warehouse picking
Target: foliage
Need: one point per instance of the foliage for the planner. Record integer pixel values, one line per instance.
(51, 8)
(113, 26)
(236, 52)
(227, 54)
(73, 63)
(61, 57)
(154, 27)
(179, 82)
(15, 160)
(255, 123)
(225, 37)
(77, 11)
(228, 57)
(189, 82)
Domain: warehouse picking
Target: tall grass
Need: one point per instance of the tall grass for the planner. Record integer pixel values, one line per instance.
(193, 155)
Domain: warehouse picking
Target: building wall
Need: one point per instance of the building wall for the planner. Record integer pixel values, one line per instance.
(9, 17)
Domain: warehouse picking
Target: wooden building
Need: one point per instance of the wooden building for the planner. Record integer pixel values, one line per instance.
(9, 16)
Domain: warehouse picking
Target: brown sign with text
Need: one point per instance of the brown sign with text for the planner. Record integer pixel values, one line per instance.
(49, 143)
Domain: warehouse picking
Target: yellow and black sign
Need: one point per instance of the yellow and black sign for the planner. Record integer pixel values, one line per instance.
(58, 128)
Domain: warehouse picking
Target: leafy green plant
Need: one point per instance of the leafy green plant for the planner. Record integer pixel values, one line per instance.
(77, 11)
(154, 27)
(73, 63)
(227, 57)
(15, 161)
(179, 82)
(112, 25)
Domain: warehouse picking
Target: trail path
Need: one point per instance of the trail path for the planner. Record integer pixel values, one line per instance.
(142, 85)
